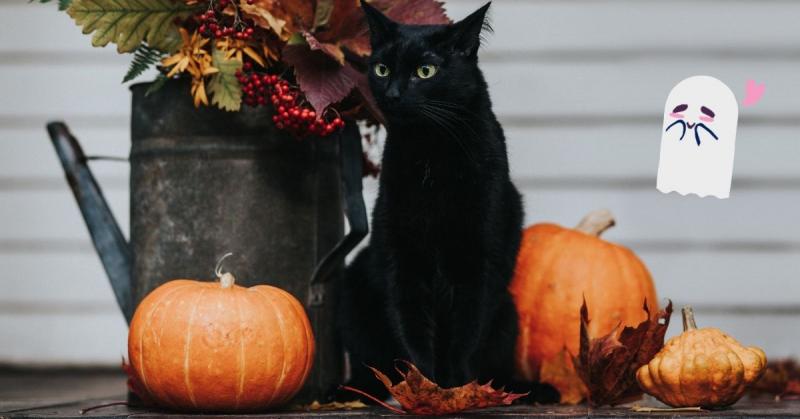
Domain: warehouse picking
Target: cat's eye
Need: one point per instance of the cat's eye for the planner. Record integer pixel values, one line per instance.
(381, 70)
(426, 71)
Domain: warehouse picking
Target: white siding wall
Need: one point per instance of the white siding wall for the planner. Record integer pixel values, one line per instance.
(579, 85)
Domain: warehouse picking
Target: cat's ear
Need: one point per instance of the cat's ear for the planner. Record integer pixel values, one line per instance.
(466, 35)
(380, 26)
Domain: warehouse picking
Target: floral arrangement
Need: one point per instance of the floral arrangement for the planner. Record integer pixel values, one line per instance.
(304, 58)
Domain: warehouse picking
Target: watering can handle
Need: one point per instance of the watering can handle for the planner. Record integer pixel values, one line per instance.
(350, 152)
(106, 235)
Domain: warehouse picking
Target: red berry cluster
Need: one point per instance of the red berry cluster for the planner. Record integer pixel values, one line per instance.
(292, 114)
(211, 26)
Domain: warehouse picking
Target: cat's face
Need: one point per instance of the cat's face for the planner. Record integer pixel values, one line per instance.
(413, 66)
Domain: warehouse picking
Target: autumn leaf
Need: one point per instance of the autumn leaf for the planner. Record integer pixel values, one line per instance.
(226, 93)
(128, 23)
(414, 12)
(608, 364)
(781, 378)
(315, 405)
(346, 26)
(135, 386)
(322, 79)
(284, 18)
(559, 372)
(420, 396)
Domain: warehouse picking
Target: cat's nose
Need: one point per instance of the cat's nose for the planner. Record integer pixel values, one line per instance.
(393, 93)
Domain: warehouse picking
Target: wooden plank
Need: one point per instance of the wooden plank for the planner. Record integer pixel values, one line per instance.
(560, 93)
(34, 159)
(749, 220)
(726, 279)
(542, 152)
(41, 281)
(550, 94)
(762, 219)
(628, 153)
(78, 339)
(60, 282)
(53, 215)
(634, 24)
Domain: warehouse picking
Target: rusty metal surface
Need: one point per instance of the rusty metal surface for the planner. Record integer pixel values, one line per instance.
(205, 182)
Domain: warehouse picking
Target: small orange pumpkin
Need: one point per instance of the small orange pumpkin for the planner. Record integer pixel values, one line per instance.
(556, 269)
(701, 367)
(217, 346)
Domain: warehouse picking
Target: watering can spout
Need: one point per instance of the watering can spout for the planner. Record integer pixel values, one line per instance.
(113, 249)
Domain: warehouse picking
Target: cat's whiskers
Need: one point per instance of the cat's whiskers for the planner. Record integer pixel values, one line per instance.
(455, 117)
(441, 121)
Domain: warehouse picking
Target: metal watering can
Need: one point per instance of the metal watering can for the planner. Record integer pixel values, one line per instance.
(205, 182)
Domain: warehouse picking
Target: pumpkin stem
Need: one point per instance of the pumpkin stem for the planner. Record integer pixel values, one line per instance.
(688, 318)
(596, 222)
(227, 279)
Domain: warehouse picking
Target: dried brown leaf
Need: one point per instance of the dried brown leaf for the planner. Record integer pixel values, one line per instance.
(780, 378)
(420, 396)
(608, 364)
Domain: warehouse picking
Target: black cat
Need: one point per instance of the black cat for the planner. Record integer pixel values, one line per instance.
(432, 285)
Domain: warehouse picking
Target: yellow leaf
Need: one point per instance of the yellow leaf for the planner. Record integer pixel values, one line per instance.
(263, 18)
(254, 55)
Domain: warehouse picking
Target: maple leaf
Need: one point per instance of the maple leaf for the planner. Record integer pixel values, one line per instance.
(559, 372)
(608, 364)
(420, 396)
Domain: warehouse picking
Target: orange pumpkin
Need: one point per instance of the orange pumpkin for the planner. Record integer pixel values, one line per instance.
(217, 346)
(556, 268)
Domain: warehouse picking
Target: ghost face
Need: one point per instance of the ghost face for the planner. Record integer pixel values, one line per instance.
(701, 125)
(698, 138)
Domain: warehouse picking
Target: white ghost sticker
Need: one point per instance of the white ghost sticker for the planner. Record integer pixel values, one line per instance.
(698, 138)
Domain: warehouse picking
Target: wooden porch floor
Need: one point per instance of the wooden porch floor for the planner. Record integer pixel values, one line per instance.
(63, 393)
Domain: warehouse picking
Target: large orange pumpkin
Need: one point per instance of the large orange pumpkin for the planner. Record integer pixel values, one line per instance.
(217, 346)
(556, 268)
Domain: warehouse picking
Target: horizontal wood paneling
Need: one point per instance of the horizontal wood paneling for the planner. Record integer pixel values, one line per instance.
(589, 25)
(632, 152)
(28, 152)
(46, 279)
(78, 339)
(749, 216)
(45, 282)
(746, 220)
(550, 94)
(53, 215)
(568, 152)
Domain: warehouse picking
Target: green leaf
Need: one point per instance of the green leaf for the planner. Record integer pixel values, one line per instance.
(143, 59)
(128, 23)
(62, 4)
(158, 83)
(223, 86)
